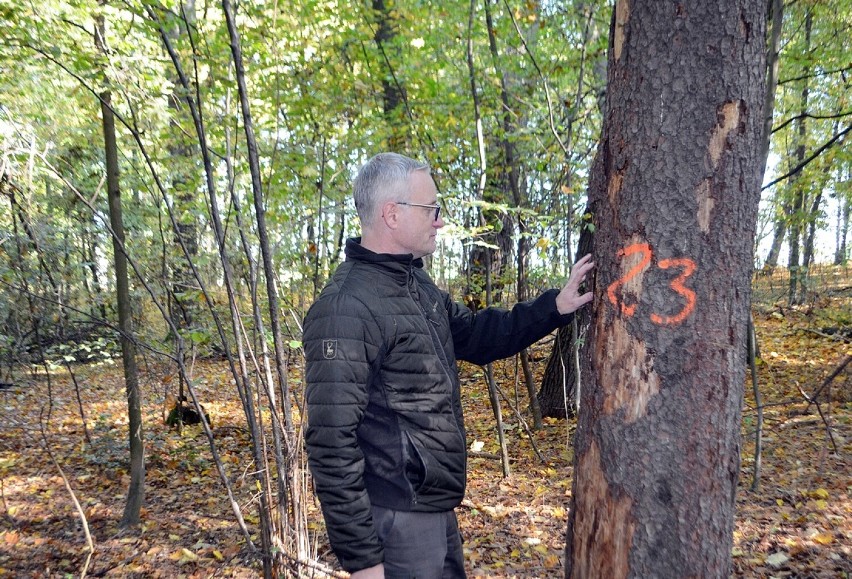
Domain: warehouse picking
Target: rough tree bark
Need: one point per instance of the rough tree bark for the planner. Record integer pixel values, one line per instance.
(674, 192)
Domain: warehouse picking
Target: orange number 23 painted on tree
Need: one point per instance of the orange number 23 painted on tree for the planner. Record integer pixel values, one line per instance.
(645, 250)
(677, 284)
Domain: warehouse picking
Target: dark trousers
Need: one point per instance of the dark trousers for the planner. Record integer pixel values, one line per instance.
(420, 545)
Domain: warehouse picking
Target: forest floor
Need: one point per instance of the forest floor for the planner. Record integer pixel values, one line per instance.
(797, 524)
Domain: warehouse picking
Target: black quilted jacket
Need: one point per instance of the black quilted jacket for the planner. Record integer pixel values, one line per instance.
(384, 412)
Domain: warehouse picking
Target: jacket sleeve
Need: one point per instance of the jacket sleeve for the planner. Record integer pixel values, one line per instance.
(341, 340)
(495, 333)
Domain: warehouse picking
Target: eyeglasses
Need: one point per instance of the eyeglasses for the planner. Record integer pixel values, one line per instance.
(437, 208)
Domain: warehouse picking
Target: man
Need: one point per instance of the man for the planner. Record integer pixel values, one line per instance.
(385, 437)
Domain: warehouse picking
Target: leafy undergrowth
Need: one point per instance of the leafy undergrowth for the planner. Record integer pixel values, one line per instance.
(797, 524)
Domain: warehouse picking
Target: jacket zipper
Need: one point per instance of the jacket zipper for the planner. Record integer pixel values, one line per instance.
(439, 350)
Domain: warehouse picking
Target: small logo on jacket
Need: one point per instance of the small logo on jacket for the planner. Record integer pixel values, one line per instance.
(329, 349)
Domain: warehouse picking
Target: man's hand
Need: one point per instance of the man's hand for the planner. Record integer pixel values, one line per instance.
(569, 299)
(377, 572)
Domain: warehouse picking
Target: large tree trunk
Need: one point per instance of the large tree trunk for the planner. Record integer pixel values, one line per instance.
(136, 492)
(674, 191)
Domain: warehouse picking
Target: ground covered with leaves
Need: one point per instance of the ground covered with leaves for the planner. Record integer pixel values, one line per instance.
(797, 523)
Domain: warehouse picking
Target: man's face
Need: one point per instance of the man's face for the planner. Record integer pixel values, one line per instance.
(419, 224)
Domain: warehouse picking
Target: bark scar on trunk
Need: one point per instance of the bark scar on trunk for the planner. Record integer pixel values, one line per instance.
(728, 117)
(627, 379)
(705, 205)
(614, 187)
(604, 526)
(622, 15)
(728, 120)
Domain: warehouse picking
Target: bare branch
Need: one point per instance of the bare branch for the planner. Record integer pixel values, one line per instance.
(795, 170)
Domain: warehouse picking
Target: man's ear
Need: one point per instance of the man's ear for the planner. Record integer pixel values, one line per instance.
(390, 214)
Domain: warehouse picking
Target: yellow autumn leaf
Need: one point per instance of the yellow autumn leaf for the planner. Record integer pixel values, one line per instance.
(819, 494)
(218, 555)
(187, 556)
(559, 512)
(823, 538)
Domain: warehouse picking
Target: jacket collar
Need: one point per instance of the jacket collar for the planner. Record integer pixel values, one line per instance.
(357, 252)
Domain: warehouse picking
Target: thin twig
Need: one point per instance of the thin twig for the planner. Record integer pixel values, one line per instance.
(834, 374)
(522, 421)
(90, 545)
(79, 402)
(758, 435)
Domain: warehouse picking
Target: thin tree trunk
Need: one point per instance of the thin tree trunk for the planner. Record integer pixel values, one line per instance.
(241, 377)
(184, 307)
(136, 492)
(808, 256)
(492, 390)
(773, 50)
(844, 210)
(797, 268)
(393, 94)
(287, 445)
(780, 232)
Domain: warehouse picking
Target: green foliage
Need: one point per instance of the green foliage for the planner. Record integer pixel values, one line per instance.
(315, 74)
(812, 108)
